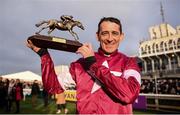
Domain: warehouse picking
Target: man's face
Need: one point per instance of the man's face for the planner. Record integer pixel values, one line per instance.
(109, 36)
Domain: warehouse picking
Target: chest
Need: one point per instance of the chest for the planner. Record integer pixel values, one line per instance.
(116, 65)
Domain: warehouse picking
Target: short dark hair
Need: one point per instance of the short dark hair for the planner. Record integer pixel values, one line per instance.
(111, 19)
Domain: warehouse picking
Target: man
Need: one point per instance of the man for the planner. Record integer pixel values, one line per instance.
(35, 91)
(2, 93)
(18, 93)
(107, 81)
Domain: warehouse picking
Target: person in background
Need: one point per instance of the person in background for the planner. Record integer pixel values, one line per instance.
(60, 97)
(35, 91)
(10, 94)
(45, 97)
(2, 93)
(61, 103)
(107, 81)
(18, 92)
(6, 85)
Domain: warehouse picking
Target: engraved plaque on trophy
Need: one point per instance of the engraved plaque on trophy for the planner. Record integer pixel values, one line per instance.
(58, 43)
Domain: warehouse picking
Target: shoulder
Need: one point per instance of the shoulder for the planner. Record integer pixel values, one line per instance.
(77, 62)
(126, 57)
(122, 55)
(128, 61)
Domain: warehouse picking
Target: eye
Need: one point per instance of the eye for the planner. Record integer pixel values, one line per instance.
(104, 33)
(114, 33)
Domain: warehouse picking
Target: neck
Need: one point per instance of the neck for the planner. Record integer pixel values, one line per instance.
(107, 53)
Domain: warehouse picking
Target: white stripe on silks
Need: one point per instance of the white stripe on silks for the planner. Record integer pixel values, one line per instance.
(132, 73)
(95, 87)
(105, 63)
(116, 73)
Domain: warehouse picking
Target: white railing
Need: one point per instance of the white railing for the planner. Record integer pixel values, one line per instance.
(163, 97)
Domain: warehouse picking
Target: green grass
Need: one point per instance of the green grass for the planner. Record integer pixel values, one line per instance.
(26, 108)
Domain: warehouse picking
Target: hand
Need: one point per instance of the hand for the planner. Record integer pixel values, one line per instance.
(32, 46)
(86, 50)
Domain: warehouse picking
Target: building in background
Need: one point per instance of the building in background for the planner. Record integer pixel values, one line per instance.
(161, 52)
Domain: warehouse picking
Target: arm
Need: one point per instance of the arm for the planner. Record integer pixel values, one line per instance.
(49, 77)
(124, 88)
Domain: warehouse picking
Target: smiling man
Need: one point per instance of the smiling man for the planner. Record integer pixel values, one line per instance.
(107, 81)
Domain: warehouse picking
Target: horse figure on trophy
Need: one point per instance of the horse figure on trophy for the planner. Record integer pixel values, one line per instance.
(65, 24)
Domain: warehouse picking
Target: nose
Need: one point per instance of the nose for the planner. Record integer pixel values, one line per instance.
(110, 38)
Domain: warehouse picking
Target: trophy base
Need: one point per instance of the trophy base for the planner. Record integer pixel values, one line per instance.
(56, 43)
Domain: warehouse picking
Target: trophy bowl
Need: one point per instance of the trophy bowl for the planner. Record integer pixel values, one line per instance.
(56, 43)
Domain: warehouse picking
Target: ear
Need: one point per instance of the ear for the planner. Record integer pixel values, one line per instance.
(97, 36)
(121, 36)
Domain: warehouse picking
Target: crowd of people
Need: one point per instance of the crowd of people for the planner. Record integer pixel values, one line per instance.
(13, 91)
(10, 92)
(164, 86)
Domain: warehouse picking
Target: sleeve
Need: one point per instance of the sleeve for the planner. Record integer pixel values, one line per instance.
(86, 63)
(72, 71)
(125, 88)
(49, 77)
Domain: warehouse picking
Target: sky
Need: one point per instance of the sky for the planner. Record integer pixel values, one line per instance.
(18, 19)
